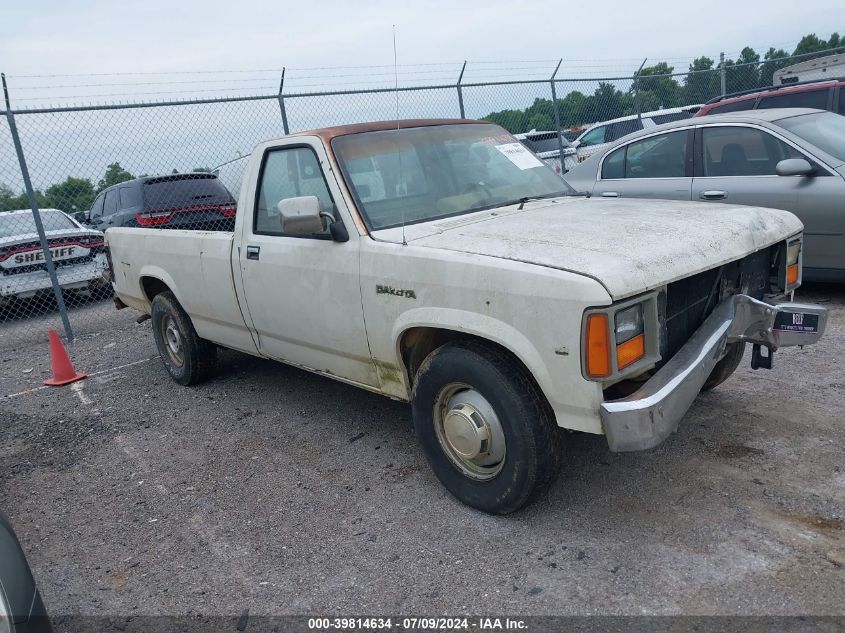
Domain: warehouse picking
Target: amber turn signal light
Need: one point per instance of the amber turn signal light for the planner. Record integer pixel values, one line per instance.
(598, 346)
(630, 351)
(792, 275)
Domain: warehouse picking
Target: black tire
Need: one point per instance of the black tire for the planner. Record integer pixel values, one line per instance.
(725, 367)
(532, 437)
(196, 359)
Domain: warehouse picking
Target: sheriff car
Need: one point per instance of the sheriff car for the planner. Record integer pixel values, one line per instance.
(78, 254)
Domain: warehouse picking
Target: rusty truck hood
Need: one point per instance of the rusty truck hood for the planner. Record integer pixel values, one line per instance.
(629, 246)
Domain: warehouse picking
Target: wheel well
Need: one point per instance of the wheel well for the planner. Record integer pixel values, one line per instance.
(153, 286)
(417, 343)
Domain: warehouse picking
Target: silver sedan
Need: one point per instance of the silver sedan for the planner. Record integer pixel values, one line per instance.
(790, 158)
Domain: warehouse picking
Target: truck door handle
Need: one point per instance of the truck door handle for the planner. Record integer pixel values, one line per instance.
(713, 195)
(609, 194)
(252, 252)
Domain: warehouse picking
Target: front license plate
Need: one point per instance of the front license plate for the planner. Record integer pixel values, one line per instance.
(796, 322)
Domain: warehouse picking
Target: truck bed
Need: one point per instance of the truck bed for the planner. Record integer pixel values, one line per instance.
(195, 265)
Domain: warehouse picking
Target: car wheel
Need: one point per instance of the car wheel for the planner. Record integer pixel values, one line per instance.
(485, 428)
(725, 367)
(188, 358)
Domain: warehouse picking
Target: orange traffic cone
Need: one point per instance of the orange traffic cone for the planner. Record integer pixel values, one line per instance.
(63, 371)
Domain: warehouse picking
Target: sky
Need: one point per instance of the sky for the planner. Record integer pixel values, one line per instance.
(80, 37)
(77, 52)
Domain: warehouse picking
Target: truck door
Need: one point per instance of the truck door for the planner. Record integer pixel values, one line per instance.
(302, 294)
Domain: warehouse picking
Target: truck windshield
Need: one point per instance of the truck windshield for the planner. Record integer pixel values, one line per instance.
(420, 174)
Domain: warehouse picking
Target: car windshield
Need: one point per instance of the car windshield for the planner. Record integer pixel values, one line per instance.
(825, 130)
(12, 224)
(420, 174)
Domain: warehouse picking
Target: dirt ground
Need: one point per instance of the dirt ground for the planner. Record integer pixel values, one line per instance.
(277, 491)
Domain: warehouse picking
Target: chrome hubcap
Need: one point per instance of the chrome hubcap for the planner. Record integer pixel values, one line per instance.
(469, 431)
(172, 339)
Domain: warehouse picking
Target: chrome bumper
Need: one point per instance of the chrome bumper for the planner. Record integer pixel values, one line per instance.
(648, 416)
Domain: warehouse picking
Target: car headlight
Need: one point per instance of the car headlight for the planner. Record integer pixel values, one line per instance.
(617, 337)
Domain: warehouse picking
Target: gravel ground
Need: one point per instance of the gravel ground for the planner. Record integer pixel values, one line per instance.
(272, 489)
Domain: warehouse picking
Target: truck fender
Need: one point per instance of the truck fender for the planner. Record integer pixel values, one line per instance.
(479, 325)
(156, 272)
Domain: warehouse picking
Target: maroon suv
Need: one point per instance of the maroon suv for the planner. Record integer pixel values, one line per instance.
(822, 95)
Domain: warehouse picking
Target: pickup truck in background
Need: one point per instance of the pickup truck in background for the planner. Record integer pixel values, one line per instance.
(440, 262)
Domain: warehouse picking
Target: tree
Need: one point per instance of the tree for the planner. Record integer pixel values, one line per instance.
(658, 81)
(6, 197)
(607, 102)
(774, 61)
(702, 82)
(71, 194)
(115, 174)
(813, 44)
(743, 74)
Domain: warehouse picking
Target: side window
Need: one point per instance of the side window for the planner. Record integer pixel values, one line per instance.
(622, 128)
(742, 151)
(736, 106)
(841, 99)
(97, 207)
(810, 99)
(594, 137)
(110, 205)
(660, 119)
(130, 197)
(661, 156)
(288, 173)
(614, 165)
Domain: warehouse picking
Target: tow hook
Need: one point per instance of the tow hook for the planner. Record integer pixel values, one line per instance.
(758, 360)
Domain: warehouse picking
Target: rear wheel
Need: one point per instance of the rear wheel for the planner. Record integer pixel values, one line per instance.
(188, 358)
(484, 426)
(725, 367)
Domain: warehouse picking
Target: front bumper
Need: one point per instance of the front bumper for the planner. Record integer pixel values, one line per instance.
(653, 412)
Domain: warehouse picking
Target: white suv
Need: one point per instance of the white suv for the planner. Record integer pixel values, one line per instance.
(600, 135)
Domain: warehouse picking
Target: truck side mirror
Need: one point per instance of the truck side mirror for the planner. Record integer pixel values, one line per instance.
(794, 167)
(81, 217)
(301, 216)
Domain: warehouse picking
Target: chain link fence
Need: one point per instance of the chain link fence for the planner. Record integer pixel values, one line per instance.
(67, 174)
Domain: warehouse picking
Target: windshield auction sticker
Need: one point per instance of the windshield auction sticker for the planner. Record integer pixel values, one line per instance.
(519, 155)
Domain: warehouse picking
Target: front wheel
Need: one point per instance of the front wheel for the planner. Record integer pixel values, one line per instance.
(484, 426)
(188, 358)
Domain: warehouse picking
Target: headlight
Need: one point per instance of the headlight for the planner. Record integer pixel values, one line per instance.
(793, 264)
(615, 339)
(629, 323)
(630, 336)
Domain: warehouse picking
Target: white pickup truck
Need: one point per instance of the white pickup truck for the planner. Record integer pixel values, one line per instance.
(440, 262)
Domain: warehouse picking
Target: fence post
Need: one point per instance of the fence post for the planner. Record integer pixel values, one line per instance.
(460, 90)
(722, 73)
(282, 104)
(36, 214)
(637, 91)
(557, 115)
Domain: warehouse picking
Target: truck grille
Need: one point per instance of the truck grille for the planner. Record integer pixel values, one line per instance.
(689, 301)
